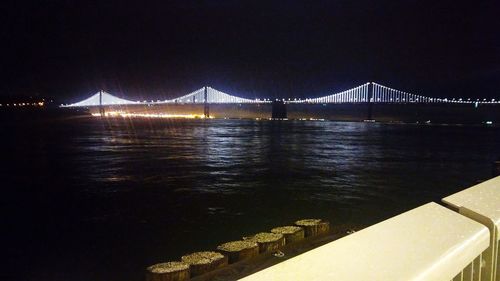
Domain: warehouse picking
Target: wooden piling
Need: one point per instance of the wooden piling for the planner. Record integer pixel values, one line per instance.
(313, 227)
(168, 271)
(268, 242)
(203, 262)
(239, 250)
(291, 233)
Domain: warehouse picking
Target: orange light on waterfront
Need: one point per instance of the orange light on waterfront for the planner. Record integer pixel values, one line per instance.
(151, 115)
(24, 104)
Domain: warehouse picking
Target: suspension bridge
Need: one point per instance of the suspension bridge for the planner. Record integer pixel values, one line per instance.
(369, 93)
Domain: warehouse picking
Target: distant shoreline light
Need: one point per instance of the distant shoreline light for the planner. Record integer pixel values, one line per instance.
(21, 104)
(150, 115)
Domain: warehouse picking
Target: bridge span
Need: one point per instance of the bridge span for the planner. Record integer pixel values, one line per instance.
(367, 101)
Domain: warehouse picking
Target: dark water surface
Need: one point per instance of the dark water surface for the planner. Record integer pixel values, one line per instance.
(87, 199)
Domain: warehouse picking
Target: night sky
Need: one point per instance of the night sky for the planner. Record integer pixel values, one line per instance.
(70, 49)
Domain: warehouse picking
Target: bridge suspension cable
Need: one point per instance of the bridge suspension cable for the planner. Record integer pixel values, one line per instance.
(213, 96)
(101, 98)
(357, 94)
(384, 94)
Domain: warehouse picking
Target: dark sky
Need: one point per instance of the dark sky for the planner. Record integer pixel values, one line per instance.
(70, 49)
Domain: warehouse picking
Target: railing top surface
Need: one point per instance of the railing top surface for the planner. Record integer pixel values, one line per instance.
(430, 242)
(483, 199)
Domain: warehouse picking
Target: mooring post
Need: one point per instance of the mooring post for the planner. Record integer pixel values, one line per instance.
(206, 109)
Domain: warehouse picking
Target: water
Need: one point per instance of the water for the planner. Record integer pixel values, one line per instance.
(85, 199)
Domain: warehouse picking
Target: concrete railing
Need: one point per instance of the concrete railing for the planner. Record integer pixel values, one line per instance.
(430, 242)
(482, 204)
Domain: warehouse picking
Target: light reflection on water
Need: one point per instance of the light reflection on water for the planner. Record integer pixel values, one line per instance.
(159, 189)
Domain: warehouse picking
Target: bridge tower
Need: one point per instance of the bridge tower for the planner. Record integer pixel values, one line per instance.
(206, 109)
(101, 108)
(371, 98)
